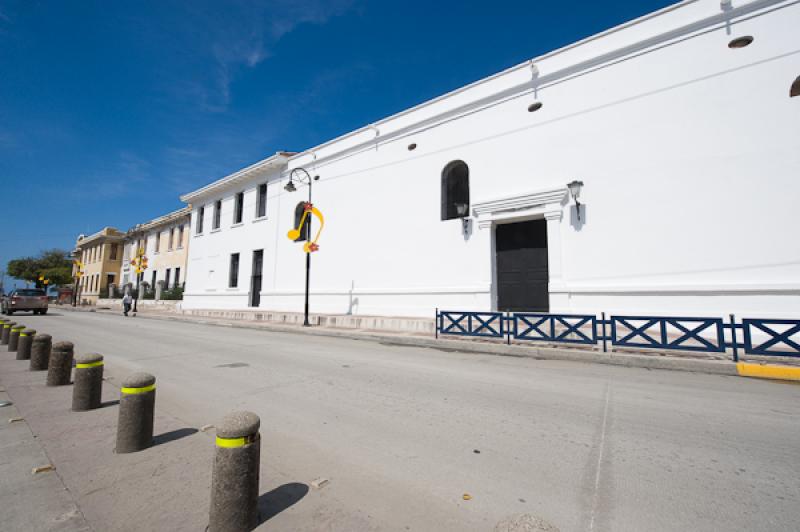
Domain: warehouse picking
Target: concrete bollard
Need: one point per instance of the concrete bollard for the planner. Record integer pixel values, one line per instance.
(88, 386)
(59, 366)
(6, 332)
(234, 479)
(137, 405)
(40, 352)
(25, 343)
(13, 337)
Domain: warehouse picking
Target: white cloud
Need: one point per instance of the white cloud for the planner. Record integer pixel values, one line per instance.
(242, 37)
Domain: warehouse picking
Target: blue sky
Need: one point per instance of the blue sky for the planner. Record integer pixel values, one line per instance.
(110, 110)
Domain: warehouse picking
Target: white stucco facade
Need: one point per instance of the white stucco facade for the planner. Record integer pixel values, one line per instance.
(688, 150)
(164, 241)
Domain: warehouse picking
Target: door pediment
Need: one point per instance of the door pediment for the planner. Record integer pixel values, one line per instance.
(546, 203)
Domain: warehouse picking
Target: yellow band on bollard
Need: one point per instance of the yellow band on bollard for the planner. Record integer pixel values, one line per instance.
(232, 443)
(135, 391)
(17, 329)
(94, 365)
(22, 334)
(6, 326)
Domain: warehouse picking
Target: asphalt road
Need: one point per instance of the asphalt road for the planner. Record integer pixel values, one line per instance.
(402, 433)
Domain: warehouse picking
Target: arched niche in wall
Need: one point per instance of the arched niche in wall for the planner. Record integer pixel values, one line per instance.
(455, 190)
(794, 90)
(298, 215)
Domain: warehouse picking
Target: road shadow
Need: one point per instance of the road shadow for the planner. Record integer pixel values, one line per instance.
(274, 502)
(172, 435)
(105, 404)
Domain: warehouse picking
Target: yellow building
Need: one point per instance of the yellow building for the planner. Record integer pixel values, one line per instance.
(165, 241)
(101, 255)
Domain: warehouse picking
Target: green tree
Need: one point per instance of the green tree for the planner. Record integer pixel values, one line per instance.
(53, 264)
(23, 268)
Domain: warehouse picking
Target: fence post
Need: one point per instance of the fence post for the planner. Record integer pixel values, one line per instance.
(436, 323)
(605, 337)
(733, 339)
(508, 330)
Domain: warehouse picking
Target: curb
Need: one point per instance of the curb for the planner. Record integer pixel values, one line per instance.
(762, 371)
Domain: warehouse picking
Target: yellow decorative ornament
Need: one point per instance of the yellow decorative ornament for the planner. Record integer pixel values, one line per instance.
(294, 234)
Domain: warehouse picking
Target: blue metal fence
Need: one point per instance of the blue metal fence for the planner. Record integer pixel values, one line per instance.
(783, 337)
(486, 324)
(654, 332)
(567, 328)
(767, 337)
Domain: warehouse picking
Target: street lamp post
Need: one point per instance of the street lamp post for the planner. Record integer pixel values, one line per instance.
(301, 175)
(77, 281)
(136, 296)
(140, 264)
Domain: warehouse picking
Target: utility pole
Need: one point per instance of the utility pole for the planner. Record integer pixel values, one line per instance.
(139, 262)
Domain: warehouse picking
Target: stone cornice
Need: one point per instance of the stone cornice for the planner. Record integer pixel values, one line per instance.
(108, 233)
(161, 221)
(520, 201)
(278, 161)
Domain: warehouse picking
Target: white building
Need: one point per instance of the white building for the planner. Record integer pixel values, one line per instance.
(679, 124)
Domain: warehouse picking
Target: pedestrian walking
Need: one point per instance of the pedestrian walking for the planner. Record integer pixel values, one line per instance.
(126, 303)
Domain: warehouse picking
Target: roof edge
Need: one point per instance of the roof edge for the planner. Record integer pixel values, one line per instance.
(280, 157)
(161, 220)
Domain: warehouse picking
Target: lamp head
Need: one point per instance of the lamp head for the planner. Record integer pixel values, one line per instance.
(290, 186)
(575, 189)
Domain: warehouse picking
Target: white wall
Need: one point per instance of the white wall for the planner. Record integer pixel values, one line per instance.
(689, 155)
(210, 252)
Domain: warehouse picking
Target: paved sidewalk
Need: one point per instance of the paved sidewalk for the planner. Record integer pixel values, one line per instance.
(158, 489)
(30, 501)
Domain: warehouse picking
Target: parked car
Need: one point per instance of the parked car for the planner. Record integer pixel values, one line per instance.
(25, 299)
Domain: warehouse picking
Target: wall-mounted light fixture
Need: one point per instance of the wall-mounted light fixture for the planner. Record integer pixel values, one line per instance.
(535, 106)
(462, 209)
(575, 191)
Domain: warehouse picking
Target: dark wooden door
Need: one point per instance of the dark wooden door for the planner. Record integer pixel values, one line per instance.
(255, 282)
(522, 278)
